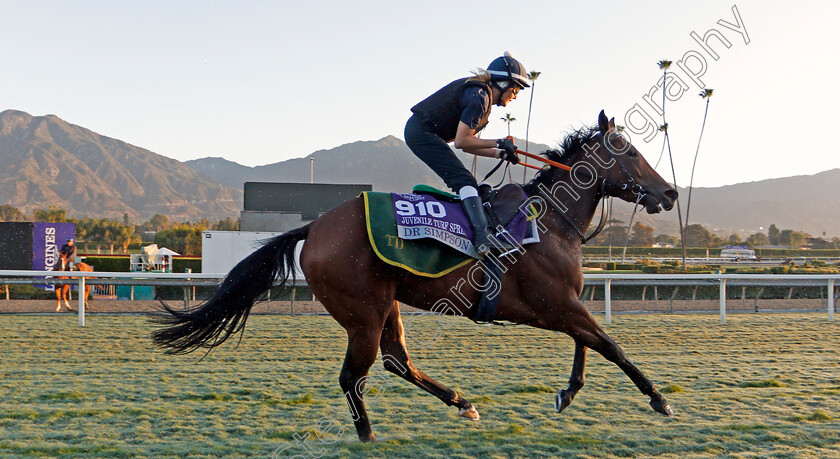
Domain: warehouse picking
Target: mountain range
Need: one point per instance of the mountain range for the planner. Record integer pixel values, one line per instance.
(803, 203)
(52, 162)
(48, 161)
(387, 164)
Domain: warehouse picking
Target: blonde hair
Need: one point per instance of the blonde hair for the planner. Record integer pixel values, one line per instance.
(480, 75)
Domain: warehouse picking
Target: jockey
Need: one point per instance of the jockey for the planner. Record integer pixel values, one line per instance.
(457, 112)
(68, 253)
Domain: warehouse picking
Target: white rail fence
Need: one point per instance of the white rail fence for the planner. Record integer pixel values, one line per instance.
(186, 280)
(80, 279)
(721, 280)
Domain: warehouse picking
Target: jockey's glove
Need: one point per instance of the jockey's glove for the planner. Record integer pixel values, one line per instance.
(508, 150)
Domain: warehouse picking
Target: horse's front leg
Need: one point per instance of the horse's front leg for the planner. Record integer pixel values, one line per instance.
(581, 326)
(612, 352)
(576, 381)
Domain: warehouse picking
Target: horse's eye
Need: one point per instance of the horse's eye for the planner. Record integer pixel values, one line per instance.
(632, 153)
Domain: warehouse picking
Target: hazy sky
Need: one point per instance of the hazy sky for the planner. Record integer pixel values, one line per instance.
(260, 82)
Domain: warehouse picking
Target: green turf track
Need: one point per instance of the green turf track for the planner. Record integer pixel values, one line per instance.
(761, 385)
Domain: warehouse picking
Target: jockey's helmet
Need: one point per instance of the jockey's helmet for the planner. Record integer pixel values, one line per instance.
(506, 68)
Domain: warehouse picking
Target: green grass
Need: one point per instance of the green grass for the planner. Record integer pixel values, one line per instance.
(758, 386)
(671, 389)
(763, 383)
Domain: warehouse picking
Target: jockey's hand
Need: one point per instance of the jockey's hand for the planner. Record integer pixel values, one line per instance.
(509, 157)
(508, 150)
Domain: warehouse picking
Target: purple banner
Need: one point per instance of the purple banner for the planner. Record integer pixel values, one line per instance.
(47, 239)
(422, 216)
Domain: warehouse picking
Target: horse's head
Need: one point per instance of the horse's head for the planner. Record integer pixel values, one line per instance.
(624, 172)
(596, 162)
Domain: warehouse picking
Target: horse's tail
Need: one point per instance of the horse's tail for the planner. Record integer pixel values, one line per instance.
(213, 322)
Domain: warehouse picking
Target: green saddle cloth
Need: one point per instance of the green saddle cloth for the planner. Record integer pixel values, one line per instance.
(440, 194)
(423, 257)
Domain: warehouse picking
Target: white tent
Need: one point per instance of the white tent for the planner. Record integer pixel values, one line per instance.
(165, 251)
(153, 259)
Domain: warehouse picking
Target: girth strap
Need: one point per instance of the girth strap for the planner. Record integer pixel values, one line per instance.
(487, 305)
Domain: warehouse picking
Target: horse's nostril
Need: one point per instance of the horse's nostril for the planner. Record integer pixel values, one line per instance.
(672, 195)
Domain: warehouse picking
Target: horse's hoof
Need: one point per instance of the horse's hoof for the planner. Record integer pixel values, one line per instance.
(368, 439)
(469, 413)
(562, 400)
(662, 407)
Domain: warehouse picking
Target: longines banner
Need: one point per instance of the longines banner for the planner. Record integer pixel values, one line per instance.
(47, 239)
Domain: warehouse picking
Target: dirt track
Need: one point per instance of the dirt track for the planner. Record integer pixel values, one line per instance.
(144, 307)
(310, 307)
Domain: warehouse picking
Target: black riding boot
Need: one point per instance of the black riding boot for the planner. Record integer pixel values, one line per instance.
(483, 239)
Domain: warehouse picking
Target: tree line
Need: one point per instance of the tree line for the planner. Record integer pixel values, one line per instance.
(185, 237)
(641, 235)
(98, 234)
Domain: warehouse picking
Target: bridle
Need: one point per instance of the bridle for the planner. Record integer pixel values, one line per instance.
(628, 183)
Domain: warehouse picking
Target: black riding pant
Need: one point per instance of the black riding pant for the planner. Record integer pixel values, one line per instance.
(435, 152)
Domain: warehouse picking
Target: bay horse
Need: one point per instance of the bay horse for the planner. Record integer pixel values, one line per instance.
(62, 291)
(541, 288)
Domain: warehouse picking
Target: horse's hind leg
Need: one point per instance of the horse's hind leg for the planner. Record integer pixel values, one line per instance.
(583, 328)
(396, 360)
(361, 354)
(565, 397)
(67, 298)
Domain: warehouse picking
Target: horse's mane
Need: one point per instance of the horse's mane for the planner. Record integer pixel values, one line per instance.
(570, 145)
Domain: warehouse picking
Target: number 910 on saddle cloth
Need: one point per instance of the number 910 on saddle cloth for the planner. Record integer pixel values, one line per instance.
(426, 235)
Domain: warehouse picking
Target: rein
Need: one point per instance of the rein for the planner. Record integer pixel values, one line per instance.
(545, 160)
(532, 156)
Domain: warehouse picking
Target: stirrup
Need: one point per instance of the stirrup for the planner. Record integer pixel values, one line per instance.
(502, 244)
(492, 243)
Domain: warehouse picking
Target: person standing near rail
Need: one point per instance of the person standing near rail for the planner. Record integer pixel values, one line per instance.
(458, 112)
(68, 254)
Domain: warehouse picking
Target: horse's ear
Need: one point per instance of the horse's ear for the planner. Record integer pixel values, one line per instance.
(603, 124)
(612, 123)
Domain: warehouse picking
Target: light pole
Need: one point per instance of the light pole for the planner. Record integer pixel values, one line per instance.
(311, 170)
